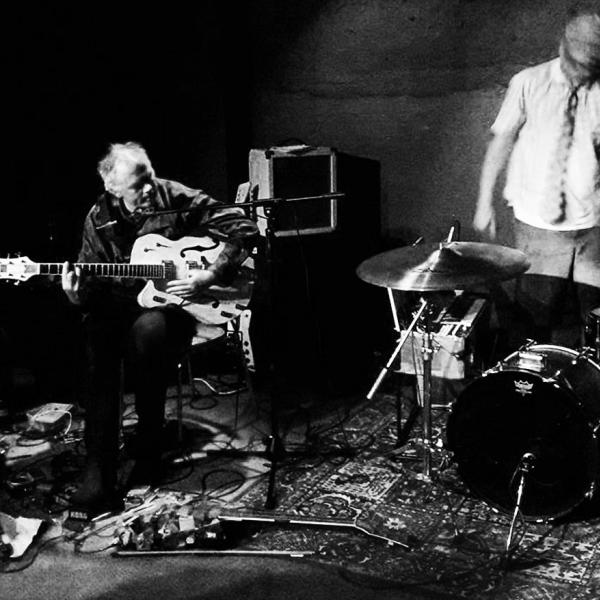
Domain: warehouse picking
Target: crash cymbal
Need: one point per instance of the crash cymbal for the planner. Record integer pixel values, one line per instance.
(442, 266)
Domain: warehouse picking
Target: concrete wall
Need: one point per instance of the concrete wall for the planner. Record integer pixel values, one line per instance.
(414, 84)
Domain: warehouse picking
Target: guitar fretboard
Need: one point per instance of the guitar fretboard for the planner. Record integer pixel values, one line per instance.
(124, 270)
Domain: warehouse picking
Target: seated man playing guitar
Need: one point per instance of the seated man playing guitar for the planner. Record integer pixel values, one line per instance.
(135, 205)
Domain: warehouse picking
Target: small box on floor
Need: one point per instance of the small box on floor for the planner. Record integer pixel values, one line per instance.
(49, 417)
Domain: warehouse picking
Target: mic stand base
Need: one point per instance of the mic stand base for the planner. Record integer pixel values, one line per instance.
(274, 452)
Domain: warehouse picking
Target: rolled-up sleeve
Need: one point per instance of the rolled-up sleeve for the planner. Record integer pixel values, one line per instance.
(512, 115)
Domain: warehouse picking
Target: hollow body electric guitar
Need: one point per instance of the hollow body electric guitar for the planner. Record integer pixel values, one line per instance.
(159, 260)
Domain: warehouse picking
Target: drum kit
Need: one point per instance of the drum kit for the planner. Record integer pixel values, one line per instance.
(525, 434)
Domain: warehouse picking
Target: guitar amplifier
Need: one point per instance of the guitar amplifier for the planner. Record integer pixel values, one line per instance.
(454, 339)
(294, 172)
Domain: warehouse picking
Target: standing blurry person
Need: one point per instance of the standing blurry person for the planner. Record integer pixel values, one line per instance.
(548, 131)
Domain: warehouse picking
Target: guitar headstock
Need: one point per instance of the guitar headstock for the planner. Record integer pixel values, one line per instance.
(17, 269)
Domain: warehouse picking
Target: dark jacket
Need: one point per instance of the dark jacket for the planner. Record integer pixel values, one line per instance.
(109, 232)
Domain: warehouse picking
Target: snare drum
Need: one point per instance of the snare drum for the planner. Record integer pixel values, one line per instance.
(544, 401)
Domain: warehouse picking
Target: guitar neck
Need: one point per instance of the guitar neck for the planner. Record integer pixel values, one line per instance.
(117, 270)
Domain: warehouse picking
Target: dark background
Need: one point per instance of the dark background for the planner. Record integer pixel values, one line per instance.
(411, 85)
(175, 80)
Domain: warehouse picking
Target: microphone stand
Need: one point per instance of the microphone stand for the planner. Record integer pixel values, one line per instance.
(525, 466)
(275, 449)
(248, 205)
(274, 444)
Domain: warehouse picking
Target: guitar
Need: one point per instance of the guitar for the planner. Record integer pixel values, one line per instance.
(158, 260)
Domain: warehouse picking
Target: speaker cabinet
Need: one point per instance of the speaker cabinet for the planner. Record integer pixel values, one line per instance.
(326, 320)
(294, 172)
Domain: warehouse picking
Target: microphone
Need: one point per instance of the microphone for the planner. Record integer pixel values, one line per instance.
(527, 462)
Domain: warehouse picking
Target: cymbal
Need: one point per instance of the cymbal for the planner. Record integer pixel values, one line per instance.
(442, 266)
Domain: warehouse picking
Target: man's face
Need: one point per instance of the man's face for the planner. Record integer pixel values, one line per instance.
(132, 183)
(576, 69)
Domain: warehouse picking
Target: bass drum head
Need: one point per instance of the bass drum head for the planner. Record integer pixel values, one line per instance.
(503, 415)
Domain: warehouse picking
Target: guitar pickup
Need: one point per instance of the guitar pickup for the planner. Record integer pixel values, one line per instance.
(227, 315)
(159, 299)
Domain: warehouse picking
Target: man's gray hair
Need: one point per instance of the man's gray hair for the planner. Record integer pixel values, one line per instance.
(129, 153)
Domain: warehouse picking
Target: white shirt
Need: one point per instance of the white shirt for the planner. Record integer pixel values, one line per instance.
(534, 106)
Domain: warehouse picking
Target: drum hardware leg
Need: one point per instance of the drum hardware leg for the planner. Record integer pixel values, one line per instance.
(412, 417)
(435, 481)
(399, 436)
(427, 358)
(403, 429)
(458, 535)
(525, 466)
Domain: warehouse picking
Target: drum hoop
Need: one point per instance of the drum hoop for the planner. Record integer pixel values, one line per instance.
(580, 354)
(532, 348)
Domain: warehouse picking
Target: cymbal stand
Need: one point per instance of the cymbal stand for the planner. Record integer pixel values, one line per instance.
(402, 341)
(427, 351)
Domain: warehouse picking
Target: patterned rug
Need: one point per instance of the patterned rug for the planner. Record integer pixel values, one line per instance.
(380, 518)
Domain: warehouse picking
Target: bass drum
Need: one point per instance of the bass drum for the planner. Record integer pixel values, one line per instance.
(542, 403)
